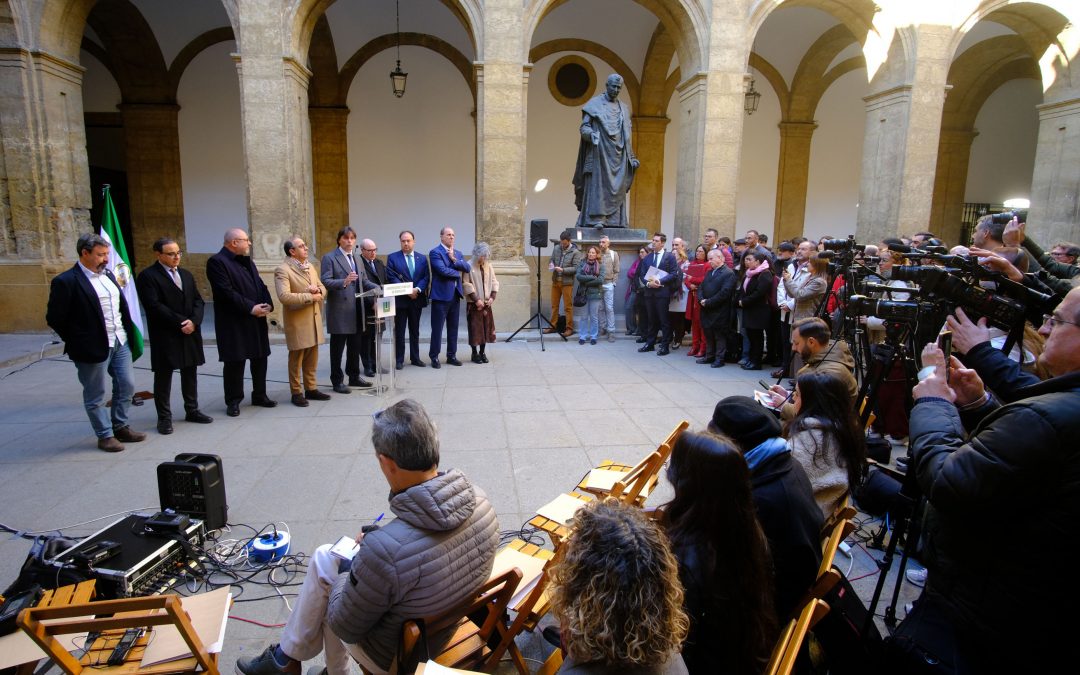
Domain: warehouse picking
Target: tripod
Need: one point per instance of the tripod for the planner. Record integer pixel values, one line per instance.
(538, 315)
(896, 349)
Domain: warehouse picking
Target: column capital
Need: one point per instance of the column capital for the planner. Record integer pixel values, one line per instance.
(649, 123)
(888, 97)
(797, 129)
(1066, 108)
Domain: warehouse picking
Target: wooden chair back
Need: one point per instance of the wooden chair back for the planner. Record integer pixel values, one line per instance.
(827, 577)
(468, 645)
(533, 607)
(43, 624)
(639, 481)
(552, 664)
(787, 647)
(844, 511)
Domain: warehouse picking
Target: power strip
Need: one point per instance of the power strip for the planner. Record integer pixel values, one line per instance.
(268, 547)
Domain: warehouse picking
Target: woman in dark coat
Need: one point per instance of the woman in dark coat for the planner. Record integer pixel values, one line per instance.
(754, 300)
(716, 295)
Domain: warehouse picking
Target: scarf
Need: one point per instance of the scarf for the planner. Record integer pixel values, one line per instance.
(750, 274)
(765, 451)
(592, 268)
(302, 266)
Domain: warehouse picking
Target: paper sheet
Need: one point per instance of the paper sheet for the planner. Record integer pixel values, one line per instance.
(432, 668)
(530, 567)
(207, 612)
(604, 479)
(561, 509)
(764, 399)
(655, 272)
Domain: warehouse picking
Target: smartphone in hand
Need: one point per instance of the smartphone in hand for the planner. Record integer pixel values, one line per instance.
(945, 343)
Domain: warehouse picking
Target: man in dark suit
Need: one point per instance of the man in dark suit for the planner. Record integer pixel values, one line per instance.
(174, 314)
(89, 313)
(376, 274)
(344, 276)
(407, 266)
(446, 294)
(241, 304)
(657, 295)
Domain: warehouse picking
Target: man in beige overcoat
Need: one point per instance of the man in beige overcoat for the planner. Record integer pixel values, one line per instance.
(301, 293)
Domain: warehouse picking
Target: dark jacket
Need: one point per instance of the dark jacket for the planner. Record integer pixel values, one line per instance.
(343, 312)
(1014, 480)
(755, 301)
(717, 291)
(792, 523)
(74, 312)
(669, 264)
(446, 275)
(397, 272)
(237, 289)
(593, 283)
(166, 307)
(376, 274)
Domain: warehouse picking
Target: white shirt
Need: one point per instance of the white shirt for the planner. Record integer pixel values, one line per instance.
(108, 294)
(348, 257)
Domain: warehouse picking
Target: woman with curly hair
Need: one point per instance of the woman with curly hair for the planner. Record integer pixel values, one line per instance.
(826, 438)
(617, 596)
(723, 555)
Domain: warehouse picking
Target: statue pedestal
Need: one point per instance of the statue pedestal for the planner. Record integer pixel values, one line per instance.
(617, 235)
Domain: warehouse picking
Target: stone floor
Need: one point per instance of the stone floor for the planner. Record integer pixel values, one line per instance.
(525, 428)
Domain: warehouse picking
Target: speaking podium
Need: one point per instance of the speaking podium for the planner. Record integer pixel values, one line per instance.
(385, 309)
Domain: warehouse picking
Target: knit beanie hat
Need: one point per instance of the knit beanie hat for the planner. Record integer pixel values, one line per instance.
(744, 421)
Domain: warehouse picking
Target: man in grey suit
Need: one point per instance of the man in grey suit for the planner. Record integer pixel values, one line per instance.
(343, 275)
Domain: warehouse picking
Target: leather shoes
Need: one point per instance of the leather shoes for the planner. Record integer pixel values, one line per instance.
(232, 410)
(264, 402)
(663, 351)
(483, 358)
(299, 401)
(418, 363)
(476, 358)
(646, 348)
(359, 382)
(342, 389)
(126, 435)
(704, 359)
(316, 395)
(640, 340)
(751, 366)
(198, 417)
(109, 444)
(549, 330)
(369, 372)
(399, 365)
(164, 427)
(452, 360)
(435, 364)
(718, 363)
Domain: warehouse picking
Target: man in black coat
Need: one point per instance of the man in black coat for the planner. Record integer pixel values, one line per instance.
(1013, 480)
(89, 313)
(376, 273)
(174, 314)
(241, 303)
(717, 297)
(656, 294)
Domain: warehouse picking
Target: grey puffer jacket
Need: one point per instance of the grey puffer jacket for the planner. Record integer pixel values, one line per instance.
(437, 552)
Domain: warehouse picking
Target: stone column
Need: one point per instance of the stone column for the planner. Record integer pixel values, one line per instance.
(152, 157)
(792, 175)
(329, 174)
(903, 123)
(950, 184)
(711, 117)
(45, 177)
(647, 192)
(1055, 183)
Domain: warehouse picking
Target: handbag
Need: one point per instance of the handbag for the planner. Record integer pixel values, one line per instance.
(580, 300)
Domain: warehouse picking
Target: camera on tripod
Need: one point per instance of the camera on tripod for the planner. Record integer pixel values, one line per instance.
(889, 310)
(999, 310)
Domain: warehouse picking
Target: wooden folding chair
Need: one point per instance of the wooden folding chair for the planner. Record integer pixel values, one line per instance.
(787, 647)
(555, 530)
(640, 479)
(528, 611)
(43, 624)
(11, 652)
(552, 663)
(827, 577)
(844, 511)
(468, 644)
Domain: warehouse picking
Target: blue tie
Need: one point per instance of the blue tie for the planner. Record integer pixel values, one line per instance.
(409, 262)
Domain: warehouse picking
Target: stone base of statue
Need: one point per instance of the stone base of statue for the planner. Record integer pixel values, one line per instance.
(591, 235)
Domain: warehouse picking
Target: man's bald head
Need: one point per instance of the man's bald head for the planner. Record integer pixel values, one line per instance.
(237, 241)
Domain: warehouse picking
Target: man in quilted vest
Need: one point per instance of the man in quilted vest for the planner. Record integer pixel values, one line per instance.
(437, 552)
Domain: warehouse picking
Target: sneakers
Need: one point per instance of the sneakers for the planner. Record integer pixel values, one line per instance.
(265, 664)
(916, 576)
(611, 337)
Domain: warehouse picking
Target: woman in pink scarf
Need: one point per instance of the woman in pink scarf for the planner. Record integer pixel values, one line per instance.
(753, 298)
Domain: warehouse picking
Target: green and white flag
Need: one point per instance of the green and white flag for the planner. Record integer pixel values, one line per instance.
(120, 264)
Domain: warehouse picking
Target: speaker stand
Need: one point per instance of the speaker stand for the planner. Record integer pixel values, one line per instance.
(538, 315)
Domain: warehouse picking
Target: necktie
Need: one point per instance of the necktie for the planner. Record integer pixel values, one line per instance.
(352, 263)
(409, 262)
(175, 278)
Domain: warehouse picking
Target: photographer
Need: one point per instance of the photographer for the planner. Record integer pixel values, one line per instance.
(1014, 481)
(1056, 264)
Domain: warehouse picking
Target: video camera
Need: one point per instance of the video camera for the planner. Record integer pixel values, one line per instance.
(944, 283)
(889, 310)
(1005, 217)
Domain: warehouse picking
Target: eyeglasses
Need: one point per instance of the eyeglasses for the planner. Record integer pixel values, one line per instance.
(1060, 254)
(1053, 321)
(370, 250)
(245, 239)
(177, 254)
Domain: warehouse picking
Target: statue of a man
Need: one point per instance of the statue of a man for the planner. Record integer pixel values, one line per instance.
(605, 163)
